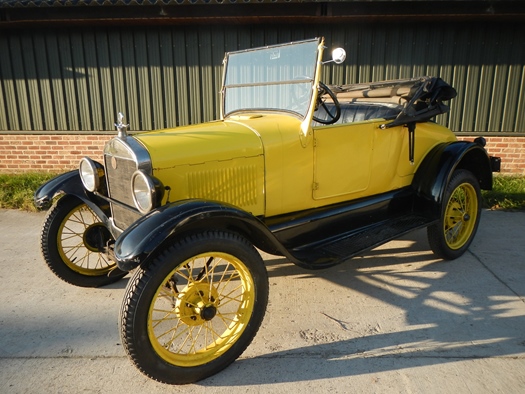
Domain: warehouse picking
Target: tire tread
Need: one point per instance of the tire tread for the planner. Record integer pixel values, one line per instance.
(137, 285)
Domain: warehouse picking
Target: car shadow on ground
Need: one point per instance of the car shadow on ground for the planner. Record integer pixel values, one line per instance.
(451, 311)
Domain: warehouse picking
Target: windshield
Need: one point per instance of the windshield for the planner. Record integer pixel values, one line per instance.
(276, 78)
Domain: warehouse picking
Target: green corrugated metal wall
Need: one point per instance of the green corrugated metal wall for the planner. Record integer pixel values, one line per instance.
(77, 79)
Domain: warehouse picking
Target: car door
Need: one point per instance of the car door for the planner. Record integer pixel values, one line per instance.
(342, 159)
(355, 160)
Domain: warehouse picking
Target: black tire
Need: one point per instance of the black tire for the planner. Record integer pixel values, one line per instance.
(68, 241)
(460, 215)
(194, 308)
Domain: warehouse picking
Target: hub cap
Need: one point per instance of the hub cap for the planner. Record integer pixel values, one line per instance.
(197, 303)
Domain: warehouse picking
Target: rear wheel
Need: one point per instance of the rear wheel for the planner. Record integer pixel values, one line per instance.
(452, 235)
(71, 242)
(195, 308)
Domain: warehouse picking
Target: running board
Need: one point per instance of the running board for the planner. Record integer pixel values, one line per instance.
(337, 249)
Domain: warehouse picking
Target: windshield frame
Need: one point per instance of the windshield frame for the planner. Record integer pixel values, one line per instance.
(246, 89)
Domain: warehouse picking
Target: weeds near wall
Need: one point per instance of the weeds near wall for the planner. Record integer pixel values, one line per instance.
(508, 193)
(16, 191)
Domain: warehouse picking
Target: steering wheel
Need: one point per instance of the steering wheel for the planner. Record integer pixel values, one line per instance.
(332, 117)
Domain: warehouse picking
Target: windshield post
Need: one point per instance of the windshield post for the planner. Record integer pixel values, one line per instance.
(222, 91)
(307, 121)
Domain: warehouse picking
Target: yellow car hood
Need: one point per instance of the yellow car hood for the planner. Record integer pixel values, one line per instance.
(197, 144)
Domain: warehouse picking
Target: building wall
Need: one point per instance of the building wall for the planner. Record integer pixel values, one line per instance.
(59, 88)
(21, 153)
(59, 153)
(78, 79)
(510, 149)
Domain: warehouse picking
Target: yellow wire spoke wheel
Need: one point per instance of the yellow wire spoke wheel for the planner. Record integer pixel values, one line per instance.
(452, 235)
(202, 320)
(460, 216)
(71, 239)
(76, 239)
(199, 303)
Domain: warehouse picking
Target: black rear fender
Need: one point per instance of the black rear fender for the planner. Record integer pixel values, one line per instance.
(178, 219)
(433, 175)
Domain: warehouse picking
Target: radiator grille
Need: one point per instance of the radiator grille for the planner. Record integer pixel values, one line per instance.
(118, 175)
(123, 217)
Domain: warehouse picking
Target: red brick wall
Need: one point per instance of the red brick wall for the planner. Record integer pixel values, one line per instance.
(510, 149)
(47, 153)
(58, 153)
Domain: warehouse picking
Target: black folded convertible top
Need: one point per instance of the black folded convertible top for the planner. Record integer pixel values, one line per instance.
(423, 97)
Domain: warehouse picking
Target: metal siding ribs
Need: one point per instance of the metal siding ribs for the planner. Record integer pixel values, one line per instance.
(77, 79)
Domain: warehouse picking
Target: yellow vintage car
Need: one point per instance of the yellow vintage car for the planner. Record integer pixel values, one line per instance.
(294, 167)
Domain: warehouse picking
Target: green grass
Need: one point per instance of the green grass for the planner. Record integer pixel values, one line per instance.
(508, 192)
(16, 191)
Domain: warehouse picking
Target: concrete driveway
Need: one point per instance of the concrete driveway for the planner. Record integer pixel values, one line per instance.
(395, 320)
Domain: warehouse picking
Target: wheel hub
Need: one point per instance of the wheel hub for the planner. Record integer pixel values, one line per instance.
(208, 312)
(96, 237)
(197, 303)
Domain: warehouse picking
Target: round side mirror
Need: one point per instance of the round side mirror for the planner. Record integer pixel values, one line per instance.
(338, 55)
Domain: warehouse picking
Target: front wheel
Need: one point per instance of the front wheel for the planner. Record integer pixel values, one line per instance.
(452, 235)
(194, 308)
(72, 241)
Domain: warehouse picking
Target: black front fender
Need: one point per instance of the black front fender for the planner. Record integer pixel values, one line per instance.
(150, 232)
(68, 183)
(71, 184)
(433, 175)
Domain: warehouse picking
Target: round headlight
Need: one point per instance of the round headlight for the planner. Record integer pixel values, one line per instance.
(89, 174)
(144, 192)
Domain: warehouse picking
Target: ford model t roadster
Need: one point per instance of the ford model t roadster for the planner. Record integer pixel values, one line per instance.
(294, 167)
